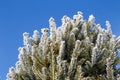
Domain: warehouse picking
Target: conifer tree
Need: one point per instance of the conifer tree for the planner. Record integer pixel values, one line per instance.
(77, 50)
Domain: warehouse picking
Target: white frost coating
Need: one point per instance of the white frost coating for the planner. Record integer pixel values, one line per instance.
(87, 40)
(65, 49)
(99, 40)
(74, 30)
(62, 46)
(94, 51)
(80, 15)
(58, 59)
(44, 31)
(91, 19)
(108, 27)
(108, 24)
(19, 67)
(21, 53)
(21, 50)
(75, 21)
(64, 19)
(118, 76)
(59, 35)
(36, 35)
(99, 28)
(72, 64)
(28, 48)
(77, 45)
(44, 71)
(84, 29)
(52, 24)
(25, 38)
(12, 70)
(112, 42)
(77, 18)
(33, 49)
(44, 34)
(109, 69)
(12, 74)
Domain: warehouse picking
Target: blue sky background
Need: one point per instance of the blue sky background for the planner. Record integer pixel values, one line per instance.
(18, 16)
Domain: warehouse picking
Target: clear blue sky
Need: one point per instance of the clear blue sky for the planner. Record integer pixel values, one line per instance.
(18, 16)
